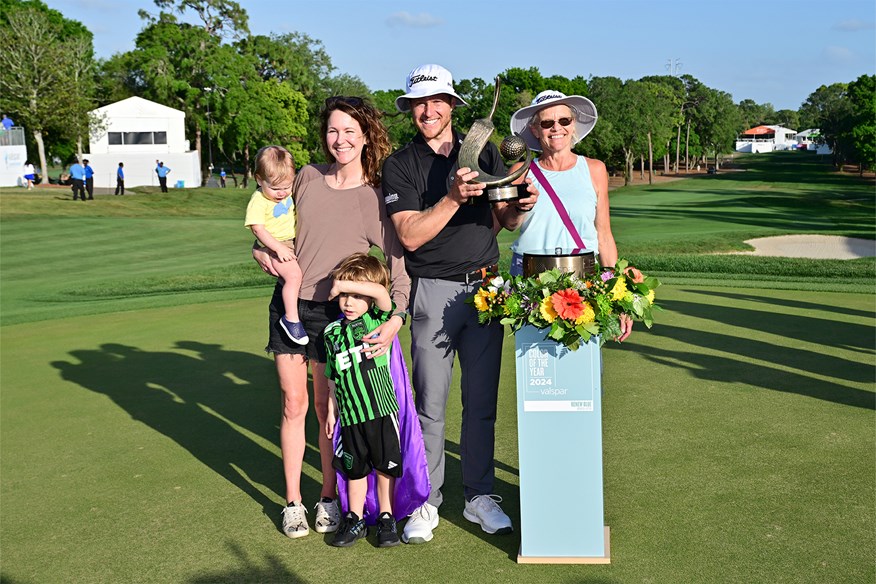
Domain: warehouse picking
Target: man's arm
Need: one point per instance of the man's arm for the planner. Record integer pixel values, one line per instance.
(416, 228)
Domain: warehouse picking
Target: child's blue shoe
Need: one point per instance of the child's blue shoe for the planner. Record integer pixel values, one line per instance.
(295, 330)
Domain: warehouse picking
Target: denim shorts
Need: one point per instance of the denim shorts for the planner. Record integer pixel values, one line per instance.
(315, 316)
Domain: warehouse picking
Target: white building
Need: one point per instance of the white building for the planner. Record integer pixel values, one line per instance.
(811, 140)
(767, 139)
(139, 132)
(13, 155)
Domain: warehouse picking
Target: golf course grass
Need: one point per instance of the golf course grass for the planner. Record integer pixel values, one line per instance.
(139, 415)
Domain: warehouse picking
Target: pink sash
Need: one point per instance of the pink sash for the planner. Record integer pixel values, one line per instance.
(564, 215)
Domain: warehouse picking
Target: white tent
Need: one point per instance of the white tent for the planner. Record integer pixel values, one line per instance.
(767, 139)
(139, 132)
(13, 155)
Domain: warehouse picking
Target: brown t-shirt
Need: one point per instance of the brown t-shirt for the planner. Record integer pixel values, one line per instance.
(333, 224)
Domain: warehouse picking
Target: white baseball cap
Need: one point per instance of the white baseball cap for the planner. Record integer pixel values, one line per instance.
(424, 81)
(582, 108)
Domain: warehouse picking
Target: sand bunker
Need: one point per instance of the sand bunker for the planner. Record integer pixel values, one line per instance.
(827, 247)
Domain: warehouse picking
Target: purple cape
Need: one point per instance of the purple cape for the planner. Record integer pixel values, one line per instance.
(412, 488)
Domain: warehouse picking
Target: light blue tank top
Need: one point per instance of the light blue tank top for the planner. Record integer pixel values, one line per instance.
(542, 229)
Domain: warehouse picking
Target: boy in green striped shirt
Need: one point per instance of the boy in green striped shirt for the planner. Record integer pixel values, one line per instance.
(363, 397)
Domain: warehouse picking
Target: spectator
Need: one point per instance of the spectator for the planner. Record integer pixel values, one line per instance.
(77, 179)
(120, 179)
(89, 180)
(162, 172)
(7, 123)
(29, 175)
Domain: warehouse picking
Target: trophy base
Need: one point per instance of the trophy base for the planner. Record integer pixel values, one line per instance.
(507, 193)
(576, 261)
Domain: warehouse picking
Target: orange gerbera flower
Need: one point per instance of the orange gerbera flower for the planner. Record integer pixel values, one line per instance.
(567, 303)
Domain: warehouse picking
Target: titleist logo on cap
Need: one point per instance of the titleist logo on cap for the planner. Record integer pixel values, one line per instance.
(544, 97)
(418, 78)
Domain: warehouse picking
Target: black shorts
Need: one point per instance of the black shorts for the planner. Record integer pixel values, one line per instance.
(315, 316)
(371, 444)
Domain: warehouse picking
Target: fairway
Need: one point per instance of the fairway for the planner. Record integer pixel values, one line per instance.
(139, 415)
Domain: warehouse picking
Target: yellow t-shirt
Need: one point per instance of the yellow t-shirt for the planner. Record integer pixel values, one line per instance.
(278, 218)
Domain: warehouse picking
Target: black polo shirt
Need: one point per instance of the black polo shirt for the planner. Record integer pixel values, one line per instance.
(414, 179)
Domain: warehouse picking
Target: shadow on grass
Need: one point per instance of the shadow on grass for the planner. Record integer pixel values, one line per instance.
(793, 192)
(785, 213)
(196, 401)
(790, 303)
(454, 502)
(808, 362)
(804, 328)
(270, 570)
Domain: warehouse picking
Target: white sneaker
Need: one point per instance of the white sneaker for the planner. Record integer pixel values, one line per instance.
(328, 516)
(295, 521)
(485, 511)
(420, 524)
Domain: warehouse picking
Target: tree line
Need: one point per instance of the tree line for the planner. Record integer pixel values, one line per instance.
(240, 91)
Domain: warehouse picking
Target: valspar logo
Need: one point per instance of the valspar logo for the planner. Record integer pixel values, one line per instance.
(390, 198)
(544, 97)
(419, 78)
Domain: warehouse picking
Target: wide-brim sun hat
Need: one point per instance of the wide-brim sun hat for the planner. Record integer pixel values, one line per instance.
(426, 81)
(582, 108)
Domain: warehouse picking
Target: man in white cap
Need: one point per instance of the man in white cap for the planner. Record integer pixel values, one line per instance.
(446, 228)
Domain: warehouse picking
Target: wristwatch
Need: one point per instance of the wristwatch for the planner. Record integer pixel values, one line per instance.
(402, 315)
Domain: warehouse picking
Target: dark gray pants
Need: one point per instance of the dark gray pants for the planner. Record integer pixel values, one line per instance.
(444, 326)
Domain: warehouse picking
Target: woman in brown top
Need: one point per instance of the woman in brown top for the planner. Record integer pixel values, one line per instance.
(340, 212)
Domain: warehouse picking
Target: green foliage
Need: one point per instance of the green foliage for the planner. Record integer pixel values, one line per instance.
(789, 119)
(116, 79)
(716, 121)
(46, 82)
(301, 62)
(219, 17)
(862, 95)
(828, 109)
(752, 114)
(398, 124)
(264, 112)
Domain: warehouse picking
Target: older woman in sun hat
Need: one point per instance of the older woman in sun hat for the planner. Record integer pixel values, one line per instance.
(573, 211)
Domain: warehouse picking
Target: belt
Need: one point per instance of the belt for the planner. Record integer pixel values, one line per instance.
(478, 275)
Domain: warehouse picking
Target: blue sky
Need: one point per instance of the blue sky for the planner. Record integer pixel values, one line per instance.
(776, 51)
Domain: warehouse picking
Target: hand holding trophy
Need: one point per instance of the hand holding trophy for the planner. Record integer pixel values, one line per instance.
(498, 188)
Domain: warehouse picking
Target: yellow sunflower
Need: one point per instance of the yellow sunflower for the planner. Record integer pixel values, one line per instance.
(483, 299)
(547, 310)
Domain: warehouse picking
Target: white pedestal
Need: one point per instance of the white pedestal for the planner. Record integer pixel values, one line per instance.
(559, 433)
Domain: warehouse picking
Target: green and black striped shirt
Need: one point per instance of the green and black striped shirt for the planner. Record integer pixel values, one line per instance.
(363, 387)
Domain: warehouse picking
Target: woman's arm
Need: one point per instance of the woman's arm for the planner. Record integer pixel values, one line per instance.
(511, 215)
(269, 241)
(263, 259)
(607, 245)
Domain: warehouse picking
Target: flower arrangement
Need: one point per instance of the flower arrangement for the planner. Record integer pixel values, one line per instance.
(573, 308)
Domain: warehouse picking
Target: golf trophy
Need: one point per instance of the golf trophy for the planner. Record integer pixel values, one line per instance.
(499, 188)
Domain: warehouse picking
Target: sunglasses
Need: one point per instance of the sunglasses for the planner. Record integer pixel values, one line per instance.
(340, 100)
(548, 124)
